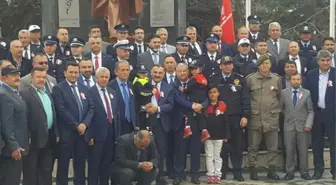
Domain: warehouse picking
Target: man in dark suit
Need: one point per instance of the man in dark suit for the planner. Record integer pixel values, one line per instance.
(153, 55)
(14, 131)
(169, 65)
(302, 64)
(195, 48)
(98, 58)
(254, 29)
(41, 118)
(28, 49)
(136, 159)
(102, 132)
(63, 47)
(182, 47)
(74, 109)
(15, 56)
(321, 83)
(139, 46)
(160, 110)
(86, 70)
(126, 104)
(328, 44)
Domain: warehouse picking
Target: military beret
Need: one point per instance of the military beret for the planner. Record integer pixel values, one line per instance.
(262, 59)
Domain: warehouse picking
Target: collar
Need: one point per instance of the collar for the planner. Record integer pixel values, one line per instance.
(158, 84)
(37, 43)
(327, 73)
(164, 45)
(209, 54)
(99, 54)
(168, 74)
(51, 56)
(139, 43)
(90, 79)
(181, 55)
(224, 75)
(151, 52)
(100, 88)
(4, 83)
(244, 56)
(38, 90)
(303, 43)
(291, 57)
(120, 82)
(254, 34)
(70, 84)
(298, 89)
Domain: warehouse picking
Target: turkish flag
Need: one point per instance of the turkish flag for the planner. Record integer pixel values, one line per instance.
(226, 23)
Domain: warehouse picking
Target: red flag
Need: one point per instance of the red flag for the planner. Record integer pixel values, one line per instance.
(226, 22)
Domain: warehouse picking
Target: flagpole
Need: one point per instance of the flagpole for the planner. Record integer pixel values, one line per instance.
(332, 19)
(247, 10)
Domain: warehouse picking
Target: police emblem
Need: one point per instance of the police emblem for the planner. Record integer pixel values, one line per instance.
(67, 53)
(75, 39)
(49, 37)
(226, 58)
(314, 47)
(254, 60)
(255, 16)
(305, 28)
(142, 67)
(185, 38)
(236, 81)
(212, 35)
(122, 26)
(189, 60)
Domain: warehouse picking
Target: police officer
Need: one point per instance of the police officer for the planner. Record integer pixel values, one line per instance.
(308, 49)
(254, 28)
(123, 51)
(211, 59)
(264, 88)
(243, 62)
(182, 47)
(122, 34)
(77, 48)
(234, 92)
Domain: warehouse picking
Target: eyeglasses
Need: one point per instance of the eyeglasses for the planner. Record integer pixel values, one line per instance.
(41, 63)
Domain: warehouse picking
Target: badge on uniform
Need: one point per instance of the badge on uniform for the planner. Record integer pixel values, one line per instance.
(314, 47)
(330, 84)
(189, 60)
(218, 61)
(58, 62)
(3, 44)
(83, 96)
(236, 81)
(132, 47)
(233, 88)
(111, 96)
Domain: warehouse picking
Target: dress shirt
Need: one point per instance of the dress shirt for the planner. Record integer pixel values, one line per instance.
(197, 47)
(214, 55)
(305, 43)
(226, 76)
(278, 44)
(164, 48)
(142, 47)
(28, 52)
(91, 81)
(94, 60)
(121, 87)
(77, 90)
(168, 77)
(155, 56)
(254, 35)
(297, 62)
(323, 85)
(47, 106)
(53, 58)
(101, 94)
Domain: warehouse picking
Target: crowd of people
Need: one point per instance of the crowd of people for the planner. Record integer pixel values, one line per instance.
(133, 109)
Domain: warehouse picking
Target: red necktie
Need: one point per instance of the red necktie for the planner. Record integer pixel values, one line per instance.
(108, 107)
(96, 62)
(157, 93)
(219, 47)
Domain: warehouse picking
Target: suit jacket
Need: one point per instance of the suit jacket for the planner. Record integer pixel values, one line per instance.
(37, 118)
(134, 52)
(304, 66)
(107, 61)
(166, 104)
(81, 81)
(121, 105)
(126, 153)
(210, 68)
(259, 36)
(170, 49)
(194, 52)
(283, 49)
(166, 80)
(57, 67)
(299, 116)
(67, 111)
(147, 60)
(87, 47)
(26, 65)
(26, 82)
(66, 51)
(99, 124)
(311, 83)
(14, 130)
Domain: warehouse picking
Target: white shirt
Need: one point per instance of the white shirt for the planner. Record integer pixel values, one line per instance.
(168, 77)
(94, 60)
(297, 62)
(214, 55)
(155, 57)
(323, 85)
(185, 60)
(101, 94)
(53, 58)
(197, 47)
(28, 52)
(164, 48)
(91, 81)
(255, 35)
(258, 55)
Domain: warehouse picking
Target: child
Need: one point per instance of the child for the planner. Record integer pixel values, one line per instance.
(143, 91)
(196, 91)
(217, 125)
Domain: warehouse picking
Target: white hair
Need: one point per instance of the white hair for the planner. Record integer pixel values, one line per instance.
(102, 70)
(191, 28)
(180, 65)
(24, 31)
(159, 30)
(276, 24)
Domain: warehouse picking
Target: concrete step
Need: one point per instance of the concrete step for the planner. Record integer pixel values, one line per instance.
(261, 161)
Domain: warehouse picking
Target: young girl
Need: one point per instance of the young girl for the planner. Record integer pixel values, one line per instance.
(218, 127)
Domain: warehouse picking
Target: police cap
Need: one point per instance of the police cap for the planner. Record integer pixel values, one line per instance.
(50, 39)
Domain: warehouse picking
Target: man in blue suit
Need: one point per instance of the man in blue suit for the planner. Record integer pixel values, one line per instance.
(86, 70)
(159, 110)
(74, 108)
(181, 106)
(126, 103)
(321, 83)
(101, 133)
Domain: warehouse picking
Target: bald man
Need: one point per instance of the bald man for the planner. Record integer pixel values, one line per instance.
(17, 59)
(302, 64)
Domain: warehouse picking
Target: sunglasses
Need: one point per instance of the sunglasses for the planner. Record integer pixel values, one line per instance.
(41, 63)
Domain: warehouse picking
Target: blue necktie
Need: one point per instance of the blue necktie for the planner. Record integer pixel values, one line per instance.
(294, 97)
(126, 101)
(87, 82)
(78, 102)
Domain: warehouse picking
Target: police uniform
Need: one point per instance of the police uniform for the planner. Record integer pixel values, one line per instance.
(264, 119)
(77, 42)
(244, 65)
(120, 28)
(234, 92)
(308, 49)
(125, 45)
(210, 62)
(183, 58)
(254, 19)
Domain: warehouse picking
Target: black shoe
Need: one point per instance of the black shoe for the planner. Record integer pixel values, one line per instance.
(195, 180)
(253, 174)
(177, 181)
(272, 175)
(239, 178)
(289, 176)
(317, 175)
(306, 176)
(223, 177)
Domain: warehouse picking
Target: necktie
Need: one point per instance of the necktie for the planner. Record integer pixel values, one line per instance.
(212, 58)
(226, 79)
(87, 82)
(51, 59)
(78, 102)
(96, 63)
(155, 58)
(47, 87)
(108, 107)
(183, 59)
(157, 93)
(254, 37)
(196, 50)
(163, 48)
(294, 58)
(25, 53)
(305, 45)
(184, 85)
(171, 78)
(294, 97)
(139, 49)
(126, 101)
(276, 45)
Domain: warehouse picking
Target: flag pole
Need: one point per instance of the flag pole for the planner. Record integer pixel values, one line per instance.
(247, 10)
(332, 19)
